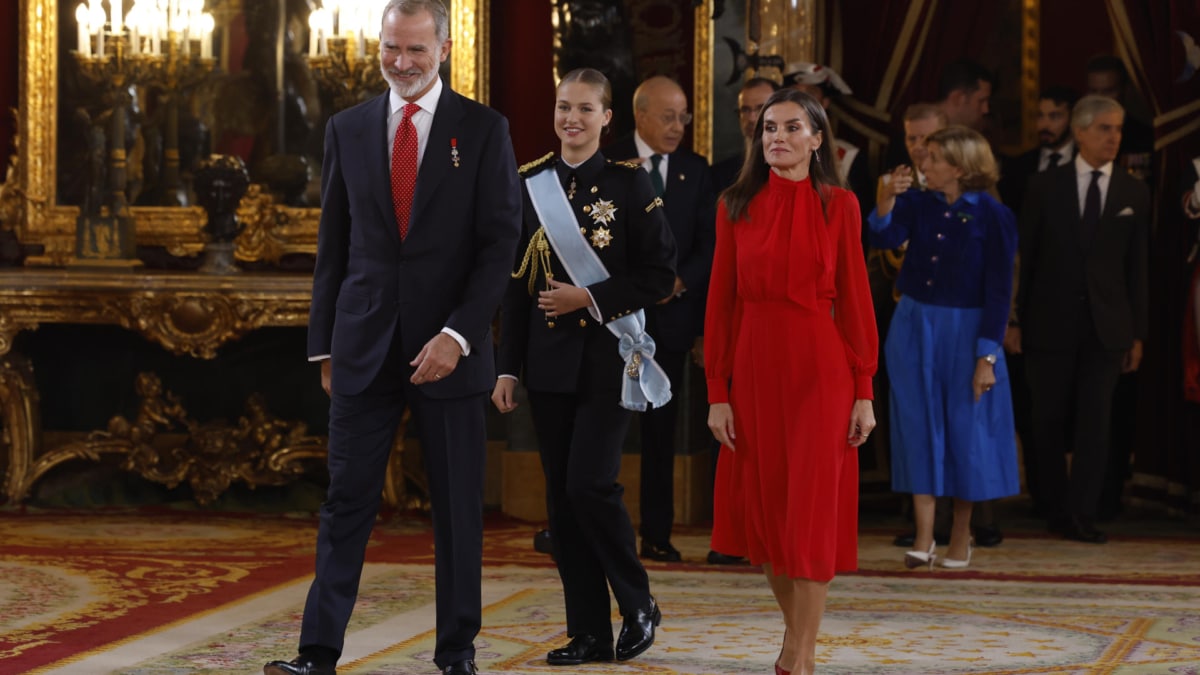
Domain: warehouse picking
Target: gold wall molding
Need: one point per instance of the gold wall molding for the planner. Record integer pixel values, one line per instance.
(39, 220)
(702, 81)
(186, 313)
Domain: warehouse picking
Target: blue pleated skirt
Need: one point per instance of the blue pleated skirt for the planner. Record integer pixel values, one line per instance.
(943, 442)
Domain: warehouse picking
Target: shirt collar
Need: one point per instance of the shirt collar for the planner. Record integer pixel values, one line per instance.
(643, 148)
(1082, 167)
(428, 102)
(971, 197)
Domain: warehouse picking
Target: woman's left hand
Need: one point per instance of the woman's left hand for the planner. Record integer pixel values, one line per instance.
(562, 298)
(985, 378)
(862, 421)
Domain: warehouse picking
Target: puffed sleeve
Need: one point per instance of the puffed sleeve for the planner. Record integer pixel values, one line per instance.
(853, 311)
(1000, 250)
(722, 312)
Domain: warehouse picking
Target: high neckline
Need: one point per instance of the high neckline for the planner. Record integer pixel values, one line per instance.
(775, 180)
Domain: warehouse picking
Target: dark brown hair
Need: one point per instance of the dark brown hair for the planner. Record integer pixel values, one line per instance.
(822, 171)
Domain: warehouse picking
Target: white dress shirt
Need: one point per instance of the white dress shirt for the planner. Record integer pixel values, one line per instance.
(644, 150)
(1064, 155)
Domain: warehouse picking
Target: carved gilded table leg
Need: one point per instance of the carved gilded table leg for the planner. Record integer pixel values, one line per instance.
(20, 424)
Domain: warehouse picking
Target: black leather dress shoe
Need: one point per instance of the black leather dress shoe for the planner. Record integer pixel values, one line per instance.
(715, 558)
(301, 665)
(662, 552)
(543, 542)
(637, 631)
(1078, 529)
(988, 536)
(581, 649)
(464, 667)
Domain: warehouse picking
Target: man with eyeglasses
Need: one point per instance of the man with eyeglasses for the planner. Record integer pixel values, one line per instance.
(751, 98)
(684, 182)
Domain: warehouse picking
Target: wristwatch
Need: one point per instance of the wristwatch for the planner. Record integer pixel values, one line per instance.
(990, 358)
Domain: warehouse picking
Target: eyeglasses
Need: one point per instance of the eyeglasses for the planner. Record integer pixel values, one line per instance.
(670, 119)
(747, 111)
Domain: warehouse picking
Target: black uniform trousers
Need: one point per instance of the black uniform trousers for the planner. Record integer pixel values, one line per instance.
(580, 437)
(361, 431)
(1072, 395)
(658, 453)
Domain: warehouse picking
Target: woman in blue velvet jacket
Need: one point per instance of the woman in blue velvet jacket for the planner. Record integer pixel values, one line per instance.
(952, 433)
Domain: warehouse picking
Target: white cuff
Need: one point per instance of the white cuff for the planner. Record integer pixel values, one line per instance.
(321, 357)
(506, 376)
(593, 308)
(462, 342)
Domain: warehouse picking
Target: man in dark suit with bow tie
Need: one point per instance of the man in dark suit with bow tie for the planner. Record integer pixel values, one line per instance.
(420, 216)
(1082, 309)
(682, 179)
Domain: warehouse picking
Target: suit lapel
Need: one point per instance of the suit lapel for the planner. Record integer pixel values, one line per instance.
(436, 160)
(375, 147)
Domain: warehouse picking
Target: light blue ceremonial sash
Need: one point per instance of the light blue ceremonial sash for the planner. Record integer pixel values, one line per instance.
(644, 380)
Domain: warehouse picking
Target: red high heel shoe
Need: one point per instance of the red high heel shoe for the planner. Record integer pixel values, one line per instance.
(780, 671)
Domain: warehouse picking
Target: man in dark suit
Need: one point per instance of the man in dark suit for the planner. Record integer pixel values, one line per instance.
(751, 99)
(682, 179)
(1056, 147)
(1081, 309)
(420, 216)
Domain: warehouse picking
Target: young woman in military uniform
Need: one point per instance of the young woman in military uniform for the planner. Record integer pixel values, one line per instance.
(585, 360)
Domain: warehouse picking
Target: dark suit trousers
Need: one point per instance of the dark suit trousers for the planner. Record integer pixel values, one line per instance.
(580, 438)
(361, 431)
(1072, 396)
(658, 453)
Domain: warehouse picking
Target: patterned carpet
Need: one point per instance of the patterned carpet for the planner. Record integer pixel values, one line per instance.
(152, 593)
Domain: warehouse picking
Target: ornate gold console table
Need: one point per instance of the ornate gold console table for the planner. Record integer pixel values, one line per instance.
(187, 314)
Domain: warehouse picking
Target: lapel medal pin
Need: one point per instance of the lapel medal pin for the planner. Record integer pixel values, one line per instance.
(454, 151)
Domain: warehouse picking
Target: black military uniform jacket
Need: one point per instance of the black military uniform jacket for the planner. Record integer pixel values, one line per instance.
(618, 213)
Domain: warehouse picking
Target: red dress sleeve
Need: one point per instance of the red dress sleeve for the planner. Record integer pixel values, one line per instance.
(853, 309)
(721, 312)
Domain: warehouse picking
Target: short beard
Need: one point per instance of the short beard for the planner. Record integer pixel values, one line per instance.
(1062, 138)
(407, 91)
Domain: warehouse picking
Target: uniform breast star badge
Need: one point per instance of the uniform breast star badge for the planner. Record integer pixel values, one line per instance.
(603, 212)
(601, 237)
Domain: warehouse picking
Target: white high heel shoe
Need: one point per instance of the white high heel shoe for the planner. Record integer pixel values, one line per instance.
(952, 564)
(915, 559)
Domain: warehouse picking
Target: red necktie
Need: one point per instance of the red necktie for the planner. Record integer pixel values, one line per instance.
(404, 167)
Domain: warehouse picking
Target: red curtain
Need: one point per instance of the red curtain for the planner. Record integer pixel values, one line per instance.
(522, 68)
(1167, 454)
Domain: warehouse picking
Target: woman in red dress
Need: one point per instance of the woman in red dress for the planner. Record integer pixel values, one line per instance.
(790, 349)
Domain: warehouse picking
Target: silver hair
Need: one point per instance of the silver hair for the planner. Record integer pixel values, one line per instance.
(441, 17)
(1089, 106)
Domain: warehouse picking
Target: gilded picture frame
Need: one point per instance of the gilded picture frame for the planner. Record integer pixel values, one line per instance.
(272, 230)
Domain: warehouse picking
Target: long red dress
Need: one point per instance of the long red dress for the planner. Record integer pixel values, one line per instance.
(790, 343)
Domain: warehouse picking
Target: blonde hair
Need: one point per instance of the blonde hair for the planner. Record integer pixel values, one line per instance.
(967, 150)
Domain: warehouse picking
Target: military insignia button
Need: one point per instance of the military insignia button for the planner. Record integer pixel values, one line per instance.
(587, 208)
(583, 323)
(595, 189)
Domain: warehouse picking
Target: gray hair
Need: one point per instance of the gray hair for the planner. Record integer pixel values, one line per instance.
(441, 17)
(1089, 107)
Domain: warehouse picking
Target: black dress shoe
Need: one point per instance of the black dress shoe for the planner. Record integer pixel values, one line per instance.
(543, 542)
(464, 667)
(715, 558)
(662, 552)
(581, 649)
(305, 664)
(1078, 529)
(637, 631)
(988, 536)
(908, 539)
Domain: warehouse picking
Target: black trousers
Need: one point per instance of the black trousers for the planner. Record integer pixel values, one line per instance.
(361, 431)
(579, 438)
(658, 453)
(1072, 395)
